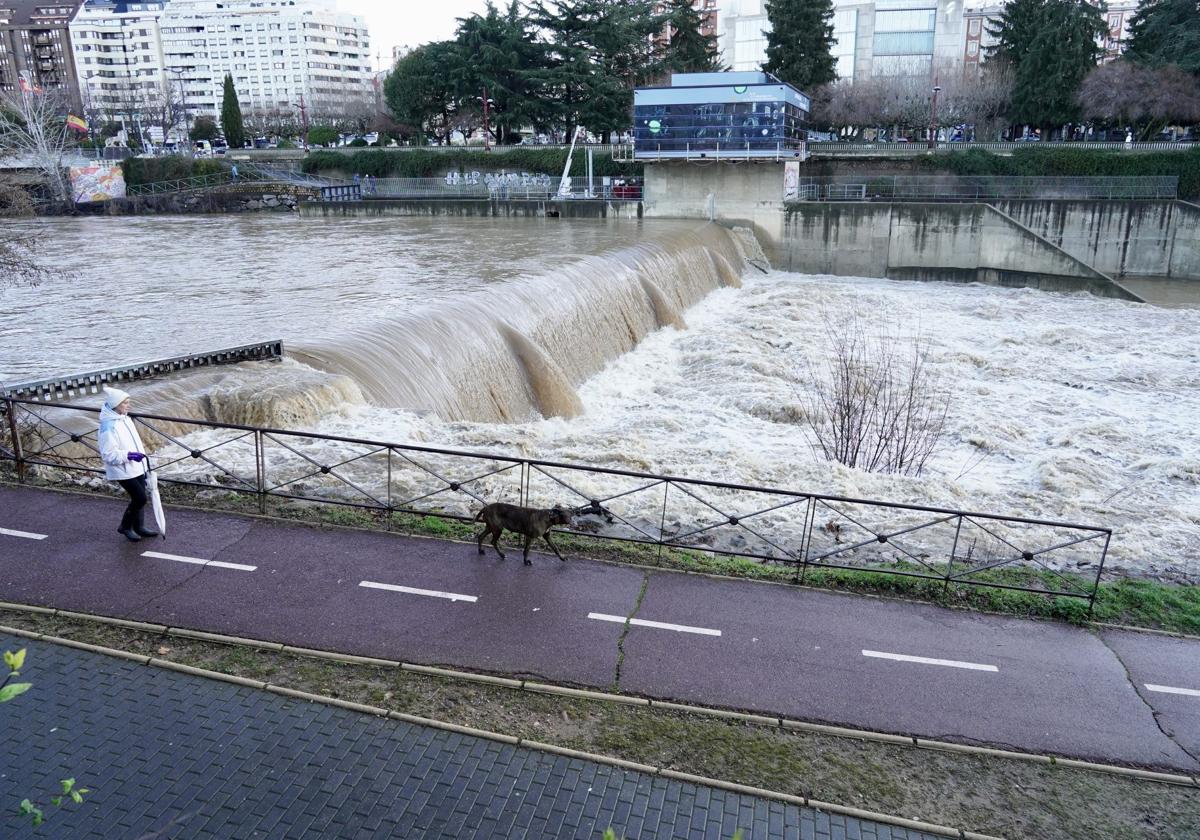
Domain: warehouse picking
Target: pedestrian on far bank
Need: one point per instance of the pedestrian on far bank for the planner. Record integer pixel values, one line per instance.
(233, 171)
(124, 458)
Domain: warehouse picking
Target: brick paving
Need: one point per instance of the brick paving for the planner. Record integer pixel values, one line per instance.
(169, 755)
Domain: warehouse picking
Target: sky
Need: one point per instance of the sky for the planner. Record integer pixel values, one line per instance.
(413, 22)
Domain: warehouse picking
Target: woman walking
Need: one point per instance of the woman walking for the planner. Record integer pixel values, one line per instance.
(124, 458)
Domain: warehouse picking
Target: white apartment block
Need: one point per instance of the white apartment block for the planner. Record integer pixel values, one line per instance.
(276, 50)
(118, 55)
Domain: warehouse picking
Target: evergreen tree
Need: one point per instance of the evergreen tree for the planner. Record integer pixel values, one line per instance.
(499, 53)
(231, 116)
(1051, 45)
(1166, 32)
(595, 53)
(799, 45)
(689, 51)
(420, 91)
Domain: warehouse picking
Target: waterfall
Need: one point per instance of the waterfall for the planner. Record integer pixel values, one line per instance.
(519, 349)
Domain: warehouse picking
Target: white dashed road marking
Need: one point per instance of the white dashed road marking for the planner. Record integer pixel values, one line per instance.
(658, 625)
(431, 593)
(23, 534)
(1166, 689)
(924, 660)
(198, 561)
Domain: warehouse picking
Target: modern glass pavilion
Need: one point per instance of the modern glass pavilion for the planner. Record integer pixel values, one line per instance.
(720, 116)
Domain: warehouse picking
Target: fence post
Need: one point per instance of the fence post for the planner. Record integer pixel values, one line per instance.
(806, 539)
(260, 469)
(662, 522)
(1099, 574)
(950, 564)
(11, 408)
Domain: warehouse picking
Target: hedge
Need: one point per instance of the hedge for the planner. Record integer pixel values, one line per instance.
(422, 163)
(1088, 162)
(168, 168)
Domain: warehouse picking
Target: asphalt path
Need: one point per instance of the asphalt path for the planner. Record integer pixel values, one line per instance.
(1110, 696)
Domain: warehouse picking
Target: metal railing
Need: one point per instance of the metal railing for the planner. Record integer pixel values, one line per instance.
(81, 384)
(984, 188)
(247, 173)
(799, 530)
(710, 151)
(496, 186)
(921, 147)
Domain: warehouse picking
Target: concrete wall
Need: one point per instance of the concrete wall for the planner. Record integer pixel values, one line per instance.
(1118, 238)
(964, 243)
(1185, 246)
(749, 194)
(567, 209)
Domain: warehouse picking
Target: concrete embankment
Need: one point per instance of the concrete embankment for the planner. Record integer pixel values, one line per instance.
(1139, 238)
(233, 198)
(552, 208)
(966, 243)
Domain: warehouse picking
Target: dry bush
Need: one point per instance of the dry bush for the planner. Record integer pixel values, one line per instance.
(873, 402)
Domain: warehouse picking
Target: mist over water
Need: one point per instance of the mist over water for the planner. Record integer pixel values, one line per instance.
(632, 346)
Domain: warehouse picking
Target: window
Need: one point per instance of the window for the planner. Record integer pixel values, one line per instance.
(974, 27)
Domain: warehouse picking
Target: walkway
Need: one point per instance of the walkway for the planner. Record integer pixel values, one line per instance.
(1111, 696)
(169, 755)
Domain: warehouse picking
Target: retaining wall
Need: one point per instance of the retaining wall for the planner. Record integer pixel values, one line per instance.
(567, 209)
(966, 243)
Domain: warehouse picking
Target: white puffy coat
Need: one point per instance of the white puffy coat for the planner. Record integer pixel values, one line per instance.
(118, 437)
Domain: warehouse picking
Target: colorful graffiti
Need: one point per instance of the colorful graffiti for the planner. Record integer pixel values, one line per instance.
(97, 182)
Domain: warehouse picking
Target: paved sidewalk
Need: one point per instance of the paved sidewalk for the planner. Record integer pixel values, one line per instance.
(168, 755)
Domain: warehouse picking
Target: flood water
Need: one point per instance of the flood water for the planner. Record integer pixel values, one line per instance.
(642, 346)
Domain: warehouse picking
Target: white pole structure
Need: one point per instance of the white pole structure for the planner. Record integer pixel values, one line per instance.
(564, 185)
(591, 193)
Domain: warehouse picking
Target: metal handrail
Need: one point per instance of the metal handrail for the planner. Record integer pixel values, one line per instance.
(47, 438)
(954, 187)
(921, 147)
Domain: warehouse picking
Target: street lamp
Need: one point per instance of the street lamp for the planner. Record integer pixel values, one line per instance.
(933, 125)
(303, 120)
(187, 117)
(486, 103)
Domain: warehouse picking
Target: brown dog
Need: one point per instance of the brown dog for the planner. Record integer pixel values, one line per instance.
(531, 522)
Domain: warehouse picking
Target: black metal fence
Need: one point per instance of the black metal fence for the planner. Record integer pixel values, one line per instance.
(803, 531)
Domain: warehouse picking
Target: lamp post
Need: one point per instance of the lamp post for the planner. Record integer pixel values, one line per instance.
(933, 124)
(487, 145)
(187, 117)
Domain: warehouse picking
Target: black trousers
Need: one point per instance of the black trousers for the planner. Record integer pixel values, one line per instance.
(138, 494)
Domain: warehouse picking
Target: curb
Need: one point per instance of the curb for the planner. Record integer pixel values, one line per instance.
(527, 743)
(575, 693)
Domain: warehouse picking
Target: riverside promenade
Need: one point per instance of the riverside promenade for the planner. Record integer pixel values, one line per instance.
(1105, 695)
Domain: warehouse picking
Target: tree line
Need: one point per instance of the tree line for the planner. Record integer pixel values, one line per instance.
(548, 64)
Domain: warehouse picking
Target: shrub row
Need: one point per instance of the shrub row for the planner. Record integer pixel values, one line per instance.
(169, 168)
(1082, 162)
(422, 163)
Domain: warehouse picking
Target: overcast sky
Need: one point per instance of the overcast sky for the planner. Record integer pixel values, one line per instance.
(413, 22)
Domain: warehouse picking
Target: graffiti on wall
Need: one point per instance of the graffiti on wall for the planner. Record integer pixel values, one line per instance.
(97, 182)
(499, 181)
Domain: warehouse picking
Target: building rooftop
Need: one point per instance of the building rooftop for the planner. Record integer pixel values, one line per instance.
(30, 13)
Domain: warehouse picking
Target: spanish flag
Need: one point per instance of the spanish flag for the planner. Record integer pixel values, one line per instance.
(77, 123)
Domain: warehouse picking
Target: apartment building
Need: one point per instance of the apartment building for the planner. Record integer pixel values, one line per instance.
(119, 57)
(35, 47)
(276, 50)
(898, 37)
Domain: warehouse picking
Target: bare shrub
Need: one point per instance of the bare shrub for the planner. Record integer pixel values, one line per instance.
(873, 402)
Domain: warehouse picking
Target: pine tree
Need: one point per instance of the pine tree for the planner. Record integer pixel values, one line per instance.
(689, 51)
(799, 45)
(1051, 45)
(231, 116)
(1166, 32)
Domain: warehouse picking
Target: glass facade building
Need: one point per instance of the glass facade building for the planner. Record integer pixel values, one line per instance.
(720, 114)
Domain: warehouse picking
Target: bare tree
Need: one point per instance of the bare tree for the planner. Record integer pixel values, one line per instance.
(19, 265)
(33, 128)
(1124, 93)
(874, 403)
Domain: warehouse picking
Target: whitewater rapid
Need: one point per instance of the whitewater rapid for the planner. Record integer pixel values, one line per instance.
(1063, 407)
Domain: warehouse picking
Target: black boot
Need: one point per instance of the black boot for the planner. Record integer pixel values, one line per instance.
(140, 528)
(129, 534)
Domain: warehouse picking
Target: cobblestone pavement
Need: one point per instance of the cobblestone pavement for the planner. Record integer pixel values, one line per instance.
(169, 755)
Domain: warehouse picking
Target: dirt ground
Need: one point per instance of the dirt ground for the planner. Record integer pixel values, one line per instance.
(1003, 797)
